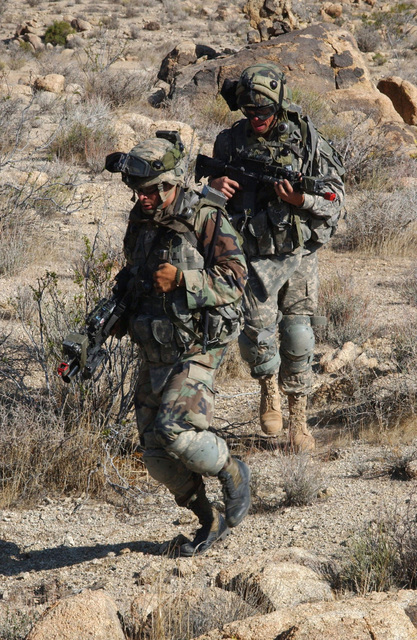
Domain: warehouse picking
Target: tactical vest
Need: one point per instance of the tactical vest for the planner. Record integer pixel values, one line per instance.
(163, 324)
(277, 227)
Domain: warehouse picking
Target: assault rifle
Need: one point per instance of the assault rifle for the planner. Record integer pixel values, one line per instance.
(249, 172)
(83, 351)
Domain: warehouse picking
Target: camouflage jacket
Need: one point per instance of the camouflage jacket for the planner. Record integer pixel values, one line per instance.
(168, 324)
(278, 227)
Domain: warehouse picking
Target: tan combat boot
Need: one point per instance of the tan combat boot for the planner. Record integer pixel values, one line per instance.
(300, 438)
(270, 406)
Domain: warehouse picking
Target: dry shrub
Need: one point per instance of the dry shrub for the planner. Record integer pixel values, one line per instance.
(346, 310)
(302, 480)
(409, 286)
(372, 560)
(15, 121)
(404, 346)
(14, 243)
(206, 115)
(368, 39)
(405, 537)
(87, 136)
(383, 223)
(117, 88)
(58, 437)
(15, 624)
(383, 555)
(26, 199)
(233, 366)
(40, 454)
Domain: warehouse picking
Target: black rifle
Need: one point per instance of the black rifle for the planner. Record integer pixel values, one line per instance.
(83, 351)
(250, 172)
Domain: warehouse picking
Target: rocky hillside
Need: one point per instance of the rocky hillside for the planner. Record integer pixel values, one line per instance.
(328, 548)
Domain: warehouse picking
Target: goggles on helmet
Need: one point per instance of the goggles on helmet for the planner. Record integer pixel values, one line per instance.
(140, 168)
(262, 113)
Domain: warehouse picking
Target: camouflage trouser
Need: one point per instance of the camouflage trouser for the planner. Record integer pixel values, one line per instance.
(289, 288)
(173, 423)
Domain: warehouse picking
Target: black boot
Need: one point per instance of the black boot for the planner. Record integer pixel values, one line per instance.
(213, 527)
(235, 479)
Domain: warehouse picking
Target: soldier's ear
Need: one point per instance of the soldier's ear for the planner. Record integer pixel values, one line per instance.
(228, 92)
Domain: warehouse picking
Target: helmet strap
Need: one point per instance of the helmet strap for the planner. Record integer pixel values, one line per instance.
(164, 195)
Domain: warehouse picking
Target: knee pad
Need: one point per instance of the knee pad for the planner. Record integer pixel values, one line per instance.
(200, 451)
(296, 343)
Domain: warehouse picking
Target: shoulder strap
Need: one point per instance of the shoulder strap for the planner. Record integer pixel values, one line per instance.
(310, 137)
(238, 136)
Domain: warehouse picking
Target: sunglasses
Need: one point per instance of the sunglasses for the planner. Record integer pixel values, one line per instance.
(262, 113)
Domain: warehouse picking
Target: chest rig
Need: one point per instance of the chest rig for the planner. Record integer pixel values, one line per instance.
(163, 324)
(273, 226)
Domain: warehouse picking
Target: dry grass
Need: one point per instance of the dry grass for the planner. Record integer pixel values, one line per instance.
(383, 555)
(346, 310)
(384, 224)
(301, 479)
(87, 135)
(61, 438)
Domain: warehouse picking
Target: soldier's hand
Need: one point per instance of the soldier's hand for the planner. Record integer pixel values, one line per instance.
(164, 278)
(227, 186)
(284, 190)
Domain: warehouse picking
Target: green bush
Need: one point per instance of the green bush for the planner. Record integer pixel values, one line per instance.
(58, 32)
(372, 562)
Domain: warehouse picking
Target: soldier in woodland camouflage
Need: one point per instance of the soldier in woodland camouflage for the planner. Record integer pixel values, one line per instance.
(187, 276)
(281, 237)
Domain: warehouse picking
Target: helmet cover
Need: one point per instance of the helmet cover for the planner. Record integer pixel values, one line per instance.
(261, 85)
(153, 162)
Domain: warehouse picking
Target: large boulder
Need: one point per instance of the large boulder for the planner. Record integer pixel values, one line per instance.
(271, 17)
(283, 579)
(322, 59)
(380, 616)
(318, 58)
(89, 614)
(52, 82)
(403, 95)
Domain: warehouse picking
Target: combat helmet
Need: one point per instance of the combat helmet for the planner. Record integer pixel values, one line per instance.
(261, 85)
(151, 162)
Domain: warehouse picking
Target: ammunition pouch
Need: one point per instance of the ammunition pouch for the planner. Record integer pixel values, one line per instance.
(157, 337)
(322, 229)
(273, 231)
(224, 324)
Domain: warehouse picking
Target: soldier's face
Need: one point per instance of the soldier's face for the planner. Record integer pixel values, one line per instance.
(260, 127)
(150, 199)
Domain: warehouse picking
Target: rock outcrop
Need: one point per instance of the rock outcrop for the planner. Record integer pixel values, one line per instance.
(403, 95)
(322, 59)
(89, 614)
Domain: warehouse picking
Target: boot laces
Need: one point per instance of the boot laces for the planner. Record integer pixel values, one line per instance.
(229, 488)
(269, 393)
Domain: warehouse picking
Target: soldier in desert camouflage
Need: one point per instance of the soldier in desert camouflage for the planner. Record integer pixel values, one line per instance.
(281, 235)
(187, 276)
